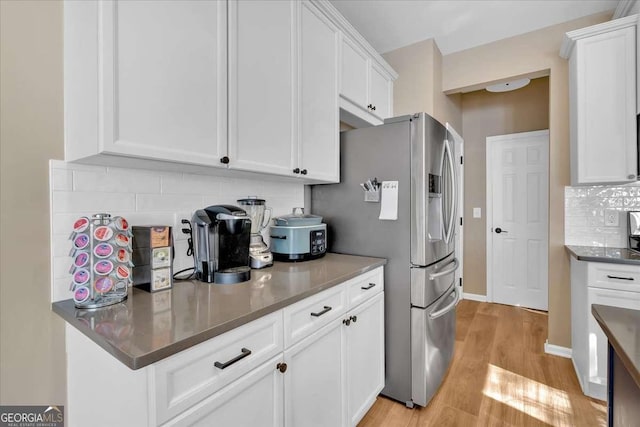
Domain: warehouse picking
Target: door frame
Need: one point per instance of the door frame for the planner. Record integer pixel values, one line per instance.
(490, 143)
(458, 143)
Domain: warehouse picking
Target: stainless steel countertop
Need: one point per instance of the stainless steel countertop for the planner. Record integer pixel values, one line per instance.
(148, 327)
(600, 254)
(622, 328)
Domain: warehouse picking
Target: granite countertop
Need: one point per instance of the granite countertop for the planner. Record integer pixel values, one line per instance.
(622, 328)
(600, 254)
(148, 327)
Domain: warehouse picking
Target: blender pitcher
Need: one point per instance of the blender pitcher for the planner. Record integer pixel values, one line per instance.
(260, 215)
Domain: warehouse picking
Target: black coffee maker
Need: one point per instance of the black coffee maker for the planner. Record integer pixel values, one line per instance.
(221, 237)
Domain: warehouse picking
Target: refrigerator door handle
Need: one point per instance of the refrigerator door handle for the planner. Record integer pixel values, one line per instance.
(449, 307)
(452, 207)
(456, 265)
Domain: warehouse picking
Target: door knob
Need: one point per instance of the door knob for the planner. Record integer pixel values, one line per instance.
(296, 170)
(500, 230)
(303, 171)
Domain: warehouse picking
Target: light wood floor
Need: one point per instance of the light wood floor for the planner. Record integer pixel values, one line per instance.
(500, 376)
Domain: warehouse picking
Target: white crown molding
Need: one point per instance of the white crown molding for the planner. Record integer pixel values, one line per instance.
(623, 9)
(345, 26)
(570, 38)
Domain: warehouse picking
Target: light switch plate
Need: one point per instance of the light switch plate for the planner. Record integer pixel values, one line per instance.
(611, 218)
(477, 212)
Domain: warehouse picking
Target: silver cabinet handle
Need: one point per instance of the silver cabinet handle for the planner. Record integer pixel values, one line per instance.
(441, 273)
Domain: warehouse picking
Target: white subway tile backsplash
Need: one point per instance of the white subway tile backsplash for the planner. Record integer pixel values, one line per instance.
(146, 198)
(62, 180)
(90, 202)
(116, 181)
(167, 202)
(584, 214)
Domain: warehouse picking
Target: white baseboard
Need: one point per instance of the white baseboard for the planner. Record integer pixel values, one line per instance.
(474, 297)
(557, 350)
(580, 380)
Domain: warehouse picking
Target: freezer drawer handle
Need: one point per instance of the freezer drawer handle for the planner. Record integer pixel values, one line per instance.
(320, 313)
(619, 278)
(244, 353)
(366, 288)
(448, 308)
(456, 265)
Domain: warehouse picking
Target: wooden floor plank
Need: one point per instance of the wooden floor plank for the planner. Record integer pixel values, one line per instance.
(500, 376)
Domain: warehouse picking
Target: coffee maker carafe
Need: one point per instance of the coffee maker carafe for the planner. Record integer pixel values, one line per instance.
(221, 237)
(259, 253)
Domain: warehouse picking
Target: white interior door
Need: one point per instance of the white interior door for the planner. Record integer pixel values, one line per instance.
(517, 219)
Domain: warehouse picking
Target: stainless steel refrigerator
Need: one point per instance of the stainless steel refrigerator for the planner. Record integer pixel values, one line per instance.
(420, 289)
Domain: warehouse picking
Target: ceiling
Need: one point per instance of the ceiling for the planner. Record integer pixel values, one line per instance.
(458, 24)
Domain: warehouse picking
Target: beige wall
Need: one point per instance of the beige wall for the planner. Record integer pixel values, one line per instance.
(32, 359)
(419, 85)
(534, 54)
(487, 114)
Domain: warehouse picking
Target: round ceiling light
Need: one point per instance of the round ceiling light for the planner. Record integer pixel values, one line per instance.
(507, 86)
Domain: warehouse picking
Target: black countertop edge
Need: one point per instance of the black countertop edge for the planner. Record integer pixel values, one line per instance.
(66, 310)
(601, 254)
(611, 320)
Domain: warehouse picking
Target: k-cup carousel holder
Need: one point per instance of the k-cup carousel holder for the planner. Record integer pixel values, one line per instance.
(101, 266)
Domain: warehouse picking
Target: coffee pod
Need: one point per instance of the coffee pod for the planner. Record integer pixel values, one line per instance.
(122, 240)
(81, 241)
(123, 272)
(81, 259)
(103, 267)
(123, 256)
(103, 285)
(102, 233)
(81, 294)
(103, 250)
(81, 224)
(81, 276)
(120, 223)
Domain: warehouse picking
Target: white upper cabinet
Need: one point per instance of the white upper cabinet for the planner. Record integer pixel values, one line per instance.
(380, 88)
(146, 79)
(200, 85)
(262, 83)
(319, 148)
(354, 71)
(602, 64)
(366, 84)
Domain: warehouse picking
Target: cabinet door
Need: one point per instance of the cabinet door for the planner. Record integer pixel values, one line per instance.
(319, 148)
(354, 73)
(262, 83)
(314, 383)
(365, 357)
(597, 338)
(163, 80)
(603, 108)
(380, 92)
(253, 400)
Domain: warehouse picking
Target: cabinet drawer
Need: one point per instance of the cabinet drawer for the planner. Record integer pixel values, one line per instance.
(307, 316)
(190, 376)
(363, 287)
(614, 276)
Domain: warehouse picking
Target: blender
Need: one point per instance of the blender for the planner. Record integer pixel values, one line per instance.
(259, 254)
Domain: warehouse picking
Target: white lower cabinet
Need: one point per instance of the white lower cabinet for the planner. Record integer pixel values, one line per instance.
(253, 400)
(314, 380)
(318, 362)
(365, 357)
(605, 284)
